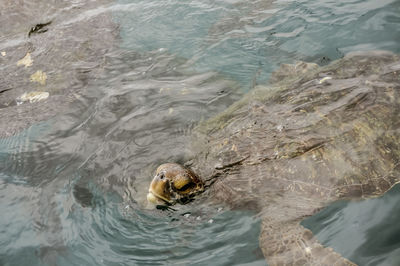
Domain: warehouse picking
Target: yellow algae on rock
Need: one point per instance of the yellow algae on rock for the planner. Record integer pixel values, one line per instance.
(26, 61)
(324, 79)
(32, 97)
(39, 76)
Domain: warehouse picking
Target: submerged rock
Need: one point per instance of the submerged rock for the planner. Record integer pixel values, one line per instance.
(71, 51)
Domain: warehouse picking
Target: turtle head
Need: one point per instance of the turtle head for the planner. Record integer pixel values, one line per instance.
(173, 183)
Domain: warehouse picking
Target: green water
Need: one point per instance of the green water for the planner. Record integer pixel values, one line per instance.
(138, 76)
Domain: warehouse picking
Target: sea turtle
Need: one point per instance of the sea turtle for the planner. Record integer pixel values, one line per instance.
(288, 149)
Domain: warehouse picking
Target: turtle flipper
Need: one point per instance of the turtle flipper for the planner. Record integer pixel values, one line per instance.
(289, 243)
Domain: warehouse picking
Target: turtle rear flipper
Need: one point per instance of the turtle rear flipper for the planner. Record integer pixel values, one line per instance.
(289, 243)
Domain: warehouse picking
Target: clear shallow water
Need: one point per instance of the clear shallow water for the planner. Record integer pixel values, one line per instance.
(249, 39)
(138, 76)
(365, 231)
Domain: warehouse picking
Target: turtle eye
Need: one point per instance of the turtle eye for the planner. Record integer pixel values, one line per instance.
(185, 187)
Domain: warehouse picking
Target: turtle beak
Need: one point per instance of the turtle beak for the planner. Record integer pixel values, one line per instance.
(152, 198)
(159, 191)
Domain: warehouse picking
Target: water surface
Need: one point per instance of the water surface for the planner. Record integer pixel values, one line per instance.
(128, 82)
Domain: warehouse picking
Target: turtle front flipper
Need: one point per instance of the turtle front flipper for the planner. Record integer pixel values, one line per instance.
(289, 243)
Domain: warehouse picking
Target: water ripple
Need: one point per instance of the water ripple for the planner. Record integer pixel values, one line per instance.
(137, 76)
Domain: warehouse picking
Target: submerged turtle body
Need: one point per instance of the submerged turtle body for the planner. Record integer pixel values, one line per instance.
(289, 149)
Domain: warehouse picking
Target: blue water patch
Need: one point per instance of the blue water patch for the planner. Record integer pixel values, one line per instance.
(106, 236)
(365, 231)
(18, 240)
(248, 42)
(178, 26)
(23, 140)
(47, 226)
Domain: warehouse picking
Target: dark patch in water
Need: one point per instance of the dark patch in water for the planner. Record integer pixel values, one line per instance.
(39, 28)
